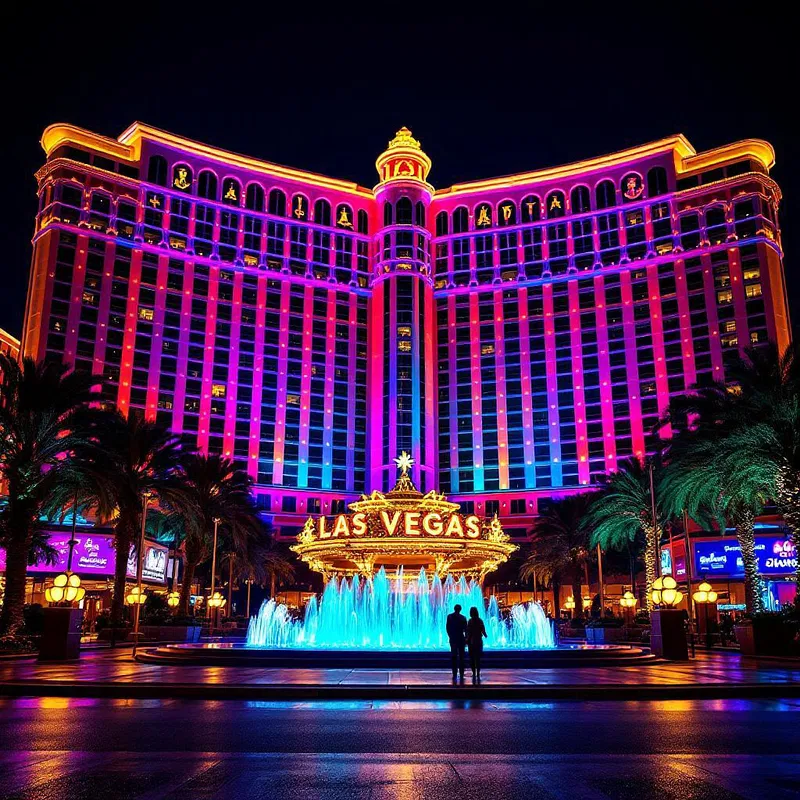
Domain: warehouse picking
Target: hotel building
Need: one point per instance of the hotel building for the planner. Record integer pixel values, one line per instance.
(517, 335)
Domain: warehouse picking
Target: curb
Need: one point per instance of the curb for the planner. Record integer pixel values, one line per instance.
(198, 691)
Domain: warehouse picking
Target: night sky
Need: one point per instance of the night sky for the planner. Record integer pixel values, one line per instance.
(485, 96)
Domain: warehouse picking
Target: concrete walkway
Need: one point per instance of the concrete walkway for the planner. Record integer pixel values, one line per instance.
(115, 674)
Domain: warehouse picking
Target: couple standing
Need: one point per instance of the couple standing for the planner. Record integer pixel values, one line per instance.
(466, 633)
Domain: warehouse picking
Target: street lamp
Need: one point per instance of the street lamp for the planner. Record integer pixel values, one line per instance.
(66, 588)
(214, 560)
(215, 603)
(135, 597)
(628, 603)
(665, 592)
(173, 599)
(705, 595)
(146, 495)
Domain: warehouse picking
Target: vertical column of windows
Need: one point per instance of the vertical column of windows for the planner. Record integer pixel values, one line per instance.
(232, 381)
(528, 476)
(463, 389)
(718, 298)
(330, 386)
(551, 372)
(105, 276)
(272, 352)
(341, 387)
(155, 348)
(751, 260)
(129, 336)
(376, 384)
(289, 398)
(181, 282)
(477, 405)
(613, 388)
(280, 389)
(305, 398)
(447, 437)
(685, 325)
(671, 328)
(79, 296)
(583, 345)
(501, 390)
(245, 373)
(539, 386)
(628, 337)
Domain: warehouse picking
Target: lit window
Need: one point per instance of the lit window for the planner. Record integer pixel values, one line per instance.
(292, 399)
(146, 314)
(404, 346)
(404, 330)
(753, 290)
(751, 273)
(218, 390)
(487, 349)
(725, 296)
(730, 326)
(89, 298)
(729, 340)
(755, 337)
(251, 261)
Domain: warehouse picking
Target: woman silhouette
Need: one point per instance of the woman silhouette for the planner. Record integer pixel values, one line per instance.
(476, 633)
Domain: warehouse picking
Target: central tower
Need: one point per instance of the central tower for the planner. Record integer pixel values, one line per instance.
(401, 372)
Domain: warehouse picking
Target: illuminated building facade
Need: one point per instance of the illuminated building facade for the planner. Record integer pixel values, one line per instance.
(518, 336)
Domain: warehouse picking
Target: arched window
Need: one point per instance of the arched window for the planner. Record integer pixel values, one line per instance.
(403, 211)
(555, 204)
(420, 214)
(363, 221)
(605, 196)
(344, 217)
(157, 170)
(483, 216)
(531, 209)
(181, 177)
(254, 200)
(460, 220)
(656, 182)
(507, 213)
(231, 192)
(277, 203)
(207, 184)
(441, 224)
(579, 200)
(632, 187)
(387, 214)
(322, 212)
(300, 207)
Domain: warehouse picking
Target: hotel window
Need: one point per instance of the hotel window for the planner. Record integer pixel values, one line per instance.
(716, 229)
(605, 195)
(322, 212)
(179, 211)
(321, 249)
(532, 245)
(508, 248)
(298, 242)
(153, 218)
(690, 231)
(441, 224)
(403, 211)
(276, 234)
(580, 202)
(484, 258)
(751, 272)
(635, 233)
(555, 205)
(157, 170)
(387, 214)
(657, 182)
(207, 185)
(182, 177)
(146, 314)
(441, 259)
(662, 228)
(608, 227)
(252, 234)
(228, 233)
(363, 222)
(460, 220)
(126, 219)
(557, 240)
(277, 203)
(204, 219)
(254, 199)
(531, 209)
(582, 235)
(419, 214)
(724, 297)
(752, 290)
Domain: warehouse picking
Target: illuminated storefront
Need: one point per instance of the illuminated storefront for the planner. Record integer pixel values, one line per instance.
(518, 336)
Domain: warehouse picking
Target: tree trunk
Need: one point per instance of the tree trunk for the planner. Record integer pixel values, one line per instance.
(556, 586)
(651, 538)
(11, 619)
(788, 496)
(753, 583)
(186, 586)
(577, 612)
(272, 585)
(123, 549)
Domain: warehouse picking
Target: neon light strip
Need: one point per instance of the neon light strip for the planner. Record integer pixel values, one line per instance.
(476, 389)
(606, 391)
(632, 365)
(305, 388)
(280, 394)
(154, 369)
(232, 384)
(525, 384)
(330, 378)
(552, 387)
(578, 394)
(500, 373)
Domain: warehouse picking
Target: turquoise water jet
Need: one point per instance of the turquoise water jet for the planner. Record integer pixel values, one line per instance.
(380, 613)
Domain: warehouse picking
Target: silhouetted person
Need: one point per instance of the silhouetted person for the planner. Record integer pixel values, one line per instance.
(476, 633)
(456, 633)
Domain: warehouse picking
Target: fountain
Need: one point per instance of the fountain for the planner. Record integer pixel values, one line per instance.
(384, 614)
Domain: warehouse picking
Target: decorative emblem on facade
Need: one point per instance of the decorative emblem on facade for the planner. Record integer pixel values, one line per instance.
(230, 193)
(298, 210)
(344, 220)
(484, 218)
(555, 202)
(181, 180)
(632, 186)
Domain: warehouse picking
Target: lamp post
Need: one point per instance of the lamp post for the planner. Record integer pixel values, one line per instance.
(173, 599)
(67, 587)
(705, 595)
(215, 603)
(569, 604)
(628, 603)
(139, 565)
(665, 592)
(213, 563)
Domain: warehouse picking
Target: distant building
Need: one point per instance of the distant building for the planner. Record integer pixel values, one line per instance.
(518, 336)
(9, 344)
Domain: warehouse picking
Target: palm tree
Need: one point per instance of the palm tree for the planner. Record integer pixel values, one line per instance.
(210, 487)
(137, 459)
(622, 509)
(44, 419)
(560, 546)
(747, 432)
(707, 482)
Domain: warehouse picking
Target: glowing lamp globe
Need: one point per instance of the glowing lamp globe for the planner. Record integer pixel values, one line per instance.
(665, 592)
(66, 588)
(173, 599)
(627, 600)
(135, 597)
(705, 594)
(569, 603)
(216, 600)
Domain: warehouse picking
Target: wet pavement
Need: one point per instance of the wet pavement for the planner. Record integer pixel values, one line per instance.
(154, 749)
(118, 666)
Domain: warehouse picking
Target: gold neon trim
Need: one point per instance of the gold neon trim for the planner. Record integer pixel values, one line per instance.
(62, 133)
(685, 156)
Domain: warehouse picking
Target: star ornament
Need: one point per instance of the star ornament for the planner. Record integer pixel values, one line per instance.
(404, 462)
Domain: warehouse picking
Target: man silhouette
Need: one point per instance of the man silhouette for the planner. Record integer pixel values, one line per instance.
(456, 633)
